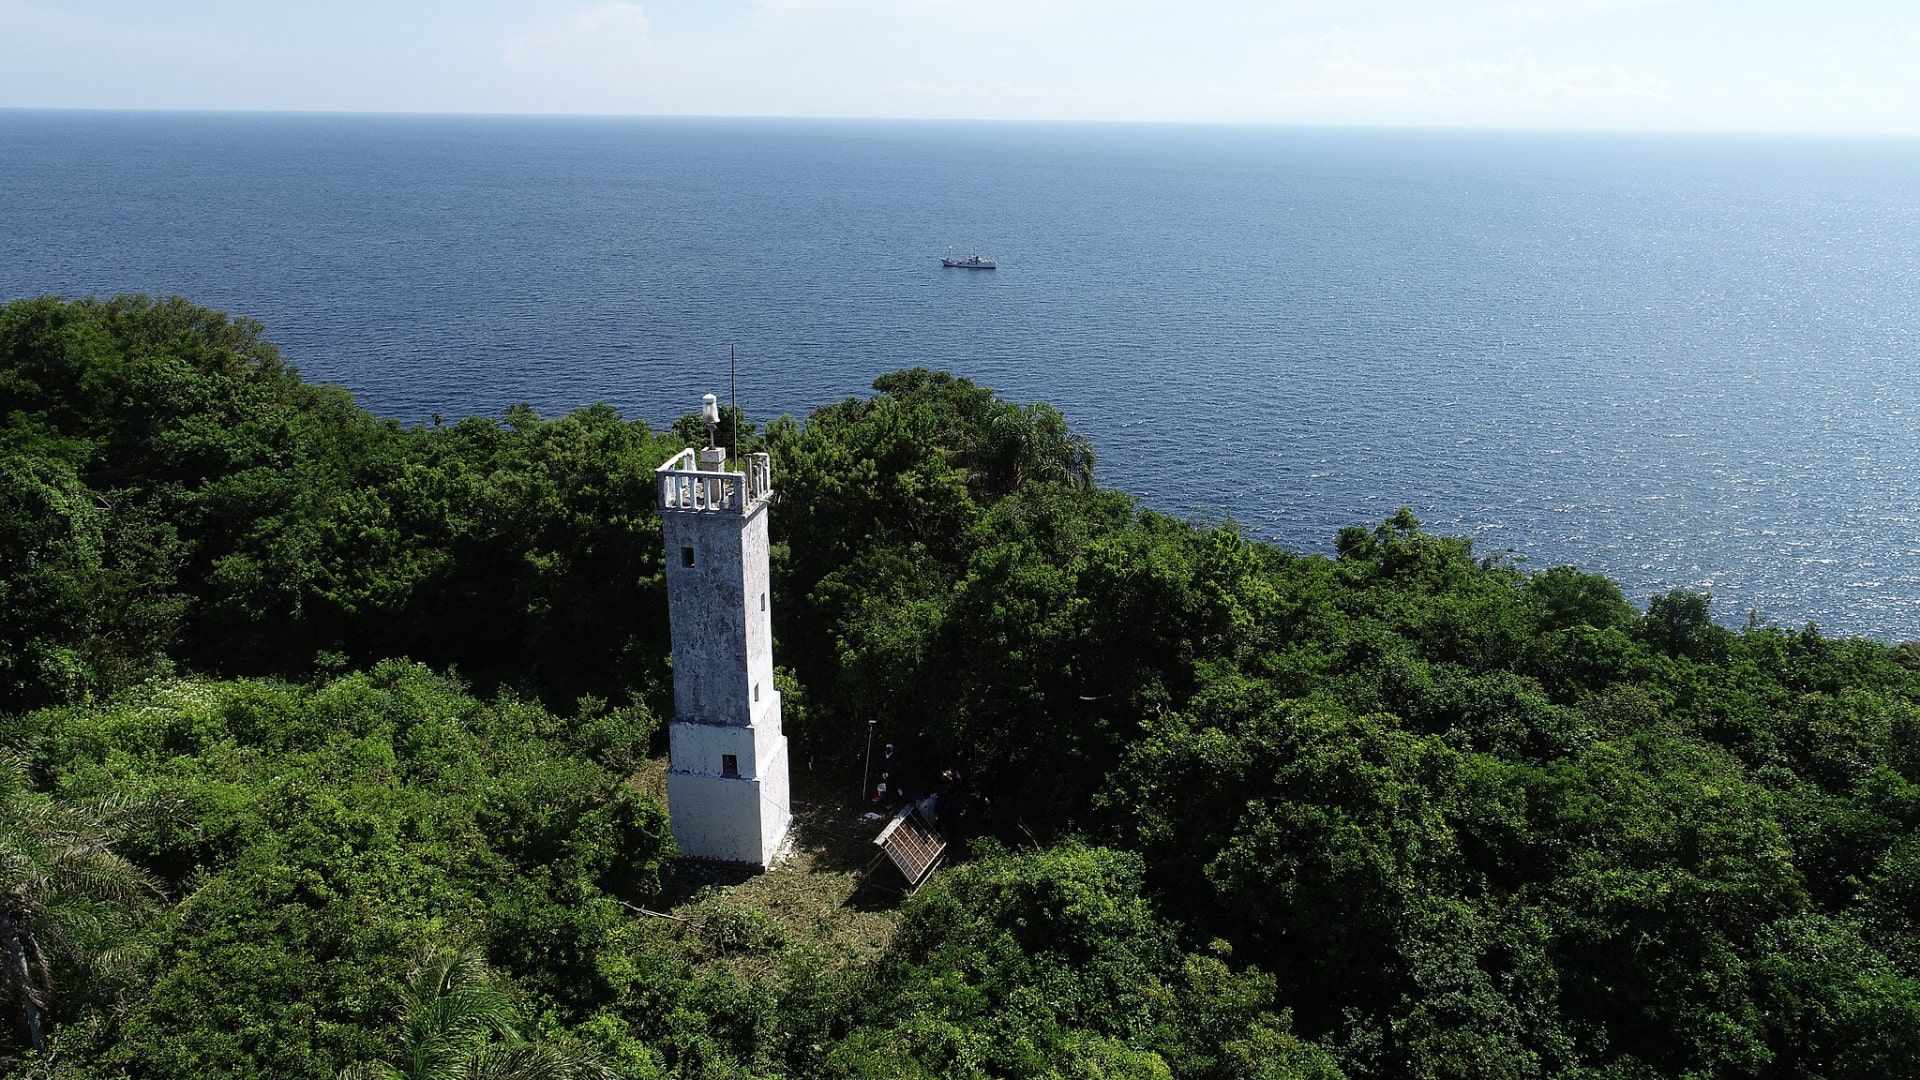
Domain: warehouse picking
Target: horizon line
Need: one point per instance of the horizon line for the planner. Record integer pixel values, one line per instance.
(979, 120)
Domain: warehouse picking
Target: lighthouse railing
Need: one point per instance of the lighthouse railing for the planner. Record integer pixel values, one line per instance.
(684, 486)
(759, 477)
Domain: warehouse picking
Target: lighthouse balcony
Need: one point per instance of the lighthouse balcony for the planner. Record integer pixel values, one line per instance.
(686, 487)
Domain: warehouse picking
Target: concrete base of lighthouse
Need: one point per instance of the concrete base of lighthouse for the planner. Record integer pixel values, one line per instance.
(727, 789)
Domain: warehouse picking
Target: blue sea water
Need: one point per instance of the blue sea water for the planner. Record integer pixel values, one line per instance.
(1682, 361)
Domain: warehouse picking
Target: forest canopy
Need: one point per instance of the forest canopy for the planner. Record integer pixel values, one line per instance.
(318, 737)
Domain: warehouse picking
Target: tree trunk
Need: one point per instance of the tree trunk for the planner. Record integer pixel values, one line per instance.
(17, 970)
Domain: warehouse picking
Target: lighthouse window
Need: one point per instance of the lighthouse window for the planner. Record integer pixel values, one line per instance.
(730, 765)
(686, 556)
(756, 691)
(763, 601)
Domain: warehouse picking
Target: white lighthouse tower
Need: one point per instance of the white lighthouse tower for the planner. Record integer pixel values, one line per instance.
(727, 784)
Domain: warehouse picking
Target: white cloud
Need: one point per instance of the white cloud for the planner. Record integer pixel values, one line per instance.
(614, 32)
(1902, 39)
(599, 57)
(1512, 80)
(1568, 63)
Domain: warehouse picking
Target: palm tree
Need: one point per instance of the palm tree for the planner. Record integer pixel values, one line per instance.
(63, 891)
(457, 1024)
(1033, 442)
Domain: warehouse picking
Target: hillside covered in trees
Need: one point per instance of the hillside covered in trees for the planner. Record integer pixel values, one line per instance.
(317, 737)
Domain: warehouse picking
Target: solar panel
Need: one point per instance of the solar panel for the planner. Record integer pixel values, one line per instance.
(911, 844)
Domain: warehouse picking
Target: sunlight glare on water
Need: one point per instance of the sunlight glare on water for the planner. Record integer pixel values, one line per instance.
(1683, 361)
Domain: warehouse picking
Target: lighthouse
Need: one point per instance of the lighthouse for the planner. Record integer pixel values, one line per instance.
(727, 779)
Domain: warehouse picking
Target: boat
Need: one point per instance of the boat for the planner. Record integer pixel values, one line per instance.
(971, 262)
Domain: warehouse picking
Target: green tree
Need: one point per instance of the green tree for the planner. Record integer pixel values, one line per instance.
(1680, 623)
(86, 600)
(457, 1023)
(1054, 964)
(66, 896)
(323, 833)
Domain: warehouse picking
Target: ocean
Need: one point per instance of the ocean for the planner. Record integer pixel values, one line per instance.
(1683, 361)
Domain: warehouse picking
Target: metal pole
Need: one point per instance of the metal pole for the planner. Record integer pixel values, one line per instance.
(733, 396)
(866, 770)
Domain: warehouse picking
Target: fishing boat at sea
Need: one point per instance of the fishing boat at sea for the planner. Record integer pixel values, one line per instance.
(971, 262)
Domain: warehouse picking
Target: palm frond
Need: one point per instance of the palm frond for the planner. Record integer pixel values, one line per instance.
(15, 772)
(530, 1061)
(370, 1070)
(119, 960)
(62, 887)
(464, 1016)
(93, 870)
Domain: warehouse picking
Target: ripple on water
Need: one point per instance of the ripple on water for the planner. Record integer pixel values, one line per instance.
(1615, 351)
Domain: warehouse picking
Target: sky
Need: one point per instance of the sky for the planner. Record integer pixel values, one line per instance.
(1838, 66)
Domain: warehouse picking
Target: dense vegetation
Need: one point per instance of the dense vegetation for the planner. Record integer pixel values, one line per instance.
(318, 732)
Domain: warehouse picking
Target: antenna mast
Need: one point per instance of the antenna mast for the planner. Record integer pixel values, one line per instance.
(733, 398)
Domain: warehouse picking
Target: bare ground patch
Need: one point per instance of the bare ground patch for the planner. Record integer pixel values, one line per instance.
(816, 904)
